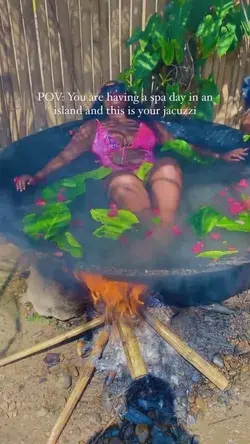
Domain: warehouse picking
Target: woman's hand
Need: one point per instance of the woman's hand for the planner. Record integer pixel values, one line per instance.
(235, 155)
(21, 182)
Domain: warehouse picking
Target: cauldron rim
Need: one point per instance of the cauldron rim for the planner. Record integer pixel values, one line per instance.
(160, 273)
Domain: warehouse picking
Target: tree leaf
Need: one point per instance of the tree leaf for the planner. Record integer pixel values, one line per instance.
(216, 254)
(208, 34)
(226, 39)
(136, 36)
(145, 63)
(167, 52)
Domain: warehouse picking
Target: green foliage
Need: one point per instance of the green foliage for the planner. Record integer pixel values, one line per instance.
(184, 149)
(205, 27)
(113, 227)
(246, 137)
(67, 242)
(144, 170)
(52, 220)
(47, 224)
(207, 218)
(216, 254)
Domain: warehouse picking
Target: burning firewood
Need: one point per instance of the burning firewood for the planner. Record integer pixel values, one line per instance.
(132, 350)
(186, 352)
(52, 342)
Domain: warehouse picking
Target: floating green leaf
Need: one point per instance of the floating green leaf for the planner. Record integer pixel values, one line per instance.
(242, 224)
(216, 254)
(113, 227)
(108, 232)
(71, 183)
(49, 223)
(143, 170)
(246, 137)
(67, 242)
(205, 220)
(184, 149)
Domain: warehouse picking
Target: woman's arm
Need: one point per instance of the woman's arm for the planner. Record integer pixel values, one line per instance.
(230, 156)
(80, 143)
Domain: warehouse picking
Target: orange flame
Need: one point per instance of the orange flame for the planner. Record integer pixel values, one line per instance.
(121, 298)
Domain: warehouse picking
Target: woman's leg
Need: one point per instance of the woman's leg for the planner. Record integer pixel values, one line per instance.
(165, 182)
(128, 192)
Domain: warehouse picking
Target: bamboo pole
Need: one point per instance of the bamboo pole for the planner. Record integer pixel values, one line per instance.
(131, 348)
(51, 342)
(185, 351)
(84, 378)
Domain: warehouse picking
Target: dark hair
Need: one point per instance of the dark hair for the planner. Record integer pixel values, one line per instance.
(132, 107)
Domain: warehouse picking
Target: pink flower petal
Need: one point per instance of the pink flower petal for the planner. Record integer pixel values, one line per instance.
(72, 132)
(236, 207)
(61, 197)
(215, 236)
(113, 212)
(222, 193)
(242, 183)
(156, 212)
(58, 254)
(113, 205)
(40, 203)
(230, 200)
(176, 230)
(198, 247)
(148, 233)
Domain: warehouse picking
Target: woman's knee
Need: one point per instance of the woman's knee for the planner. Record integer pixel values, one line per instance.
(166, 168)
(123, 182)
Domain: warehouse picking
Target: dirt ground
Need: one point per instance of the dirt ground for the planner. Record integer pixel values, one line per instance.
(32, 394)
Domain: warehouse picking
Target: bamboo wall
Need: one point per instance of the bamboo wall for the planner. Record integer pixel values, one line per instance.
(75, 46)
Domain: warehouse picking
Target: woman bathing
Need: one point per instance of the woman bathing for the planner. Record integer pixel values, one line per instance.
(124, 143)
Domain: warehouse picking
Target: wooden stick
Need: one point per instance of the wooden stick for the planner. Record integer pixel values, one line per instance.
(51, 342)
(186, 352)
(84, 378)
(131, 348)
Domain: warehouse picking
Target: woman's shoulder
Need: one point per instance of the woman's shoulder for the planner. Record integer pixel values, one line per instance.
(89, 127)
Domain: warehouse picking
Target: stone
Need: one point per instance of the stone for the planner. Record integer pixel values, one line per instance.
(200, 403)
(241, 348)
(128, 432)
(4, 406)
(52, 292)
(142, 433)
(12, 406)
(43, 411)
(218, 360)
(73, 371)
(64, 381)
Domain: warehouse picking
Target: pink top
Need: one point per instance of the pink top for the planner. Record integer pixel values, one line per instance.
(105, 145)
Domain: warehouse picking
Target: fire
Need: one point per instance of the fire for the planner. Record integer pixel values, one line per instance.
(121, 298)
